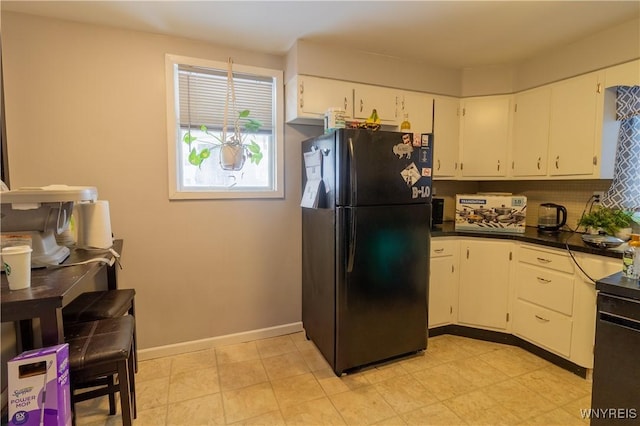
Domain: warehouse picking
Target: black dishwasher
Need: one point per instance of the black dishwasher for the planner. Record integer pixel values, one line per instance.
(616, 371)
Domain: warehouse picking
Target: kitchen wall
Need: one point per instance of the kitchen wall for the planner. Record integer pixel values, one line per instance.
(605, 48)
(85, 105)
(337, 62)
(573, 194)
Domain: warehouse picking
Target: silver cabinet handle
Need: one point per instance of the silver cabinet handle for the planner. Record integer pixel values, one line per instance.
(498, 165)
(438, 164)
(557, 162)
(539, 158)
(345, 103)
(543, 281)
(440, 250)
(542, 319)
(543, 260)
(361, 105)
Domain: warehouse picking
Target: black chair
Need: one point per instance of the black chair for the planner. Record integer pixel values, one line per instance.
(100, 351)
(95, 305)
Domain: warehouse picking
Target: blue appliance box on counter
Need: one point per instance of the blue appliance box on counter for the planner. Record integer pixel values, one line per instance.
(491, 212)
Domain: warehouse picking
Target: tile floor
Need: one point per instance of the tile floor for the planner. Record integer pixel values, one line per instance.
(285, 380)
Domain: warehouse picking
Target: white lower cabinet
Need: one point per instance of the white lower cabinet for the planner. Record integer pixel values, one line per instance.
(534, 292)
(543, 326)
(551, 289)
(443, 282)
(584, 304)
(484, 283)
(555, 305)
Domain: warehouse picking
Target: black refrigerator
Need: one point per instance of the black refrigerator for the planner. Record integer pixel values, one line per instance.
(366, 210)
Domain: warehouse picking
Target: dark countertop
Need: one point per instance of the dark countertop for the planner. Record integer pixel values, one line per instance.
(618, 285)
(531, 235)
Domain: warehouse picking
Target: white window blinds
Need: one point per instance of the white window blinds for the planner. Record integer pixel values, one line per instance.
(203, 92)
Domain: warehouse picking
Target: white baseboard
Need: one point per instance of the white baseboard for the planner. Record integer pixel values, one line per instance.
(229, 339)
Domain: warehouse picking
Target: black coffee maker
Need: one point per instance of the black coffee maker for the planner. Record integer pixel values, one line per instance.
(437, 212)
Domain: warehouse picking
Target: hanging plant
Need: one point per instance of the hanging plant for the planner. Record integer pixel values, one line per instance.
(234, 148)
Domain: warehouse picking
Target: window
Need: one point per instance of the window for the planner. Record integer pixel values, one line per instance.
(200, 165)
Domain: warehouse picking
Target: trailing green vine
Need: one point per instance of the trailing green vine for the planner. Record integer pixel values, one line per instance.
(250, 126)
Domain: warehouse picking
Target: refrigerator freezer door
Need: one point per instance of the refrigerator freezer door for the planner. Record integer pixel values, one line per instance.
(382, 168)
(326, 144)
(382, 279)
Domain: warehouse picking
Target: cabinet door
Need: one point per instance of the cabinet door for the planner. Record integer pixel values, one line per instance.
(446, 137)
(317, 95)
(531, 132)
(572, 133)
(440, 306)
(419, 109)
(485, 136)
(384, 100)
(443, 282)
(484, 283)
(584, 305)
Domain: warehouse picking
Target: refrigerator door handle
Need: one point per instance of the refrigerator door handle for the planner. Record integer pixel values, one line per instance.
(352, 240)
(353, 176)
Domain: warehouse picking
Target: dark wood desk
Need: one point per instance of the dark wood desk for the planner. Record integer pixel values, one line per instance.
(52, 289)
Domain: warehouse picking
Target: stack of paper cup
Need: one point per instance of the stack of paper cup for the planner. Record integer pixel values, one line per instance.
(16, 261)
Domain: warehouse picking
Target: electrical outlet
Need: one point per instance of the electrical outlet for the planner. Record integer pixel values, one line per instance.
(597, 195)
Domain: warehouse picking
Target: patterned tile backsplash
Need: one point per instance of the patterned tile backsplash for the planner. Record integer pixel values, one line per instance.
(573, 194)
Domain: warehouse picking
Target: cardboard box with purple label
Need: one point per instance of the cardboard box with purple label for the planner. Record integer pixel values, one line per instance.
(39, 392)
(491, 213)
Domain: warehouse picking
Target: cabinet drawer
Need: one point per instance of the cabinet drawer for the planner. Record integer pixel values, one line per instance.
(443, 248)
(550, 289)
(558, 261)
(543, 326)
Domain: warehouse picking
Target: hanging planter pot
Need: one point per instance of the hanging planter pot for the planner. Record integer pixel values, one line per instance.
(232, 156)
(234, 149)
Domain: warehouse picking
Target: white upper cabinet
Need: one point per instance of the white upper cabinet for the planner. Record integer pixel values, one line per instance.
(419, 110)
(384, 100)
(627, 74)
(308, 98)
(485, 136)
(446, 137)
(573, 137)
(562, 130)
(530, 132)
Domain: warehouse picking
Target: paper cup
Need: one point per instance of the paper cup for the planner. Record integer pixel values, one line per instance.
(16, 261)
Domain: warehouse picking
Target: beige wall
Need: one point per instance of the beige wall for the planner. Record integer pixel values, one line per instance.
(85, 105)
(606, 48)
(573, 194)
(613, 46)
(337, 62)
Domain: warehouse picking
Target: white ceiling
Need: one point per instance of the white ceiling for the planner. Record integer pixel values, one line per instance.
(448, 33)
